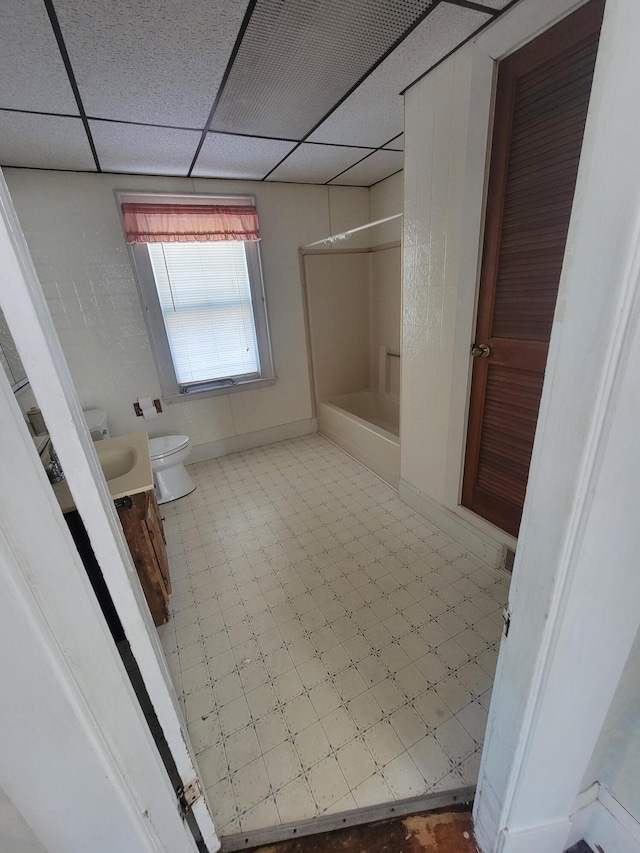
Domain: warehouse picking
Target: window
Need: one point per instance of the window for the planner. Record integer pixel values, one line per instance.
(198, 268)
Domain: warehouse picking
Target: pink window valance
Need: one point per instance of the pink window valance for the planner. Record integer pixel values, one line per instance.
(189, 223)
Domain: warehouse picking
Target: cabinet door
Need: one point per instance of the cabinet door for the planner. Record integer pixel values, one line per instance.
(155, 530)
(142, 538)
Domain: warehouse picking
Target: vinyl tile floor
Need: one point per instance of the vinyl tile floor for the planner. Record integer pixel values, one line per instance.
(331, 648)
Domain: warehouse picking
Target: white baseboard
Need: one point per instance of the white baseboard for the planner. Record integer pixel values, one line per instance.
(535, 839)
(597, 818)
(603, 823)
(473, 538)
(581, 815)
(247, 440)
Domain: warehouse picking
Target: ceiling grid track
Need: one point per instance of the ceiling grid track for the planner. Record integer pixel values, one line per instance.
(357, 163)
(55, 25)
(311, 86)
(236, 47)
(476, 7)
(409, 30)
(462, 43)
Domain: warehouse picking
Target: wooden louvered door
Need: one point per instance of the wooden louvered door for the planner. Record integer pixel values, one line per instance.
(541, 106)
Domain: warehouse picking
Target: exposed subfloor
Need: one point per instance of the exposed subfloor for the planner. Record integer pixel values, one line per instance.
(443, 831)
(331, 648)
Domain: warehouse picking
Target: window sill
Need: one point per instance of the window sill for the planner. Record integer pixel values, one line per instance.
(219, 392)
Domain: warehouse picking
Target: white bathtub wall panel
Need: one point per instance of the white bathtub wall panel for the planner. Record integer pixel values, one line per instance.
(385, 298)
(337, 293)
(73, 229)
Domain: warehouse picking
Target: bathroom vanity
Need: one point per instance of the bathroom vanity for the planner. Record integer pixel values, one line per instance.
(126, 464)
(142, 525)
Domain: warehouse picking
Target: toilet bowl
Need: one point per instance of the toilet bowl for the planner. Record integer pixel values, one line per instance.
(168, 455)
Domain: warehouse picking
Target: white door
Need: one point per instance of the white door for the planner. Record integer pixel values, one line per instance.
(30, 323)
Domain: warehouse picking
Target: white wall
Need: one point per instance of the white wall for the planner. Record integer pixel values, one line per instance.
(74, 234)
(386, 199)
(615, 762)
(446, 133)
(16, 835)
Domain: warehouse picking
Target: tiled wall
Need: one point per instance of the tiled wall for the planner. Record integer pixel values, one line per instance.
(446, 129)
(75, 237)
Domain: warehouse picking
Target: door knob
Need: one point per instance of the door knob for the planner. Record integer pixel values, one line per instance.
(480, 351)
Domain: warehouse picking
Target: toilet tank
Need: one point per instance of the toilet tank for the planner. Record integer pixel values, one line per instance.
(97, 422)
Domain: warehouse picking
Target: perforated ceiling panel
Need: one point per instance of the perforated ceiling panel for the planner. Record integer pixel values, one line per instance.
(298, 59)
(375, 111)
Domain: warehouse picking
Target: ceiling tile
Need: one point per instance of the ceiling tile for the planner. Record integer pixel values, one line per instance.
(156, 61)
(396, 144)
(375, 111)
(228, 156)
(376, 168)
(44, 142)
(317, 164)
(146, 150)
(32, 74)
(298, 58)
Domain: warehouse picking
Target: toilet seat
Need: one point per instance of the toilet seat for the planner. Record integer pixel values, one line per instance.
(167, 445)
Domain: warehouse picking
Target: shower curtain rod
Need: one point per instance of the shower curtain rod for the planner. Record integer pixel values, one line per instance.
(344, 235)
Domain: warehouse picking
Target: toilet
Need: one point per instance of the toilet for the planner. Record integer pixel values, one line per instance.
(170, 478)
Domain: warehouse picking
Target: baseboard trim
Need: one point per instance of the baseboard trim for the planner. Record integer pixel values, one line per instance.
(600, 820)
(247, 440)
(534, 839)
(342, 820)
(473, 538)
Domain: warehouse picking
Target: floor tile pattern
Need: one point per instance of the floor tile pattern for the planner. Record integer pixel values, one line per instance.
(331, 648)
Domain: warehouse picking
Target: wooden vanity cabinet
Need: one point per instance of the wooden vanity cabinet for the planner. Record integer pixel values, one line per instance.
(142, 525)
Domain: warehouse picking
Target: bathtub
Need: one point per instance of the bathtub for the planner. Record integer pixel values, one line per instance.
(365, 424)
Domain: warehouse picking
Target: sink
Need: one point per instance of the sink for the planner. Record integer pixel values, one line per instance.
(115, 461)
(125, 463)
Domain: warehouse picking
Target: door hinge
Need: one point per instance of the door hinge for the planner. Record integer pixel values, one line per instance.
(187, 796)
(506, 618)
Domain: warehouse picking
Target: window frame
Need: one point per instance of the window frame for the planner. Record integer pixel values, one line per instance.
(173, 391)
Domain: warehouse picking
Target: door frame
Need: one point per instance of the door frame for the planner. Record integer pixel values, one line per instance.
(31, 325)
(507, 35)
(573, 598)
(507, 352)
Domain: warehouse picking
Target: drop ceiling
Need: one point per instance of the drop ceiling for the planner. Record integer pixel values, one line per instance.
(305, 91)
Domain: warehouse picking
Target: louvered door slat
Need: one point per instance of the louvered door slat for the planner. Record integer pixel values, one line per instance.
(541, 106)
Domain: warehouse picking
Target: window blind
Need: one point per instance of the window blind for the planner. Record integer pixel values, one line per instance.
(205, 298)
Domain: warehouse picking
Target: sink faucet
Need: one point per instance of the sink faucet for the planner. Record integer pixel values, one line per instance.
(54, 468)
